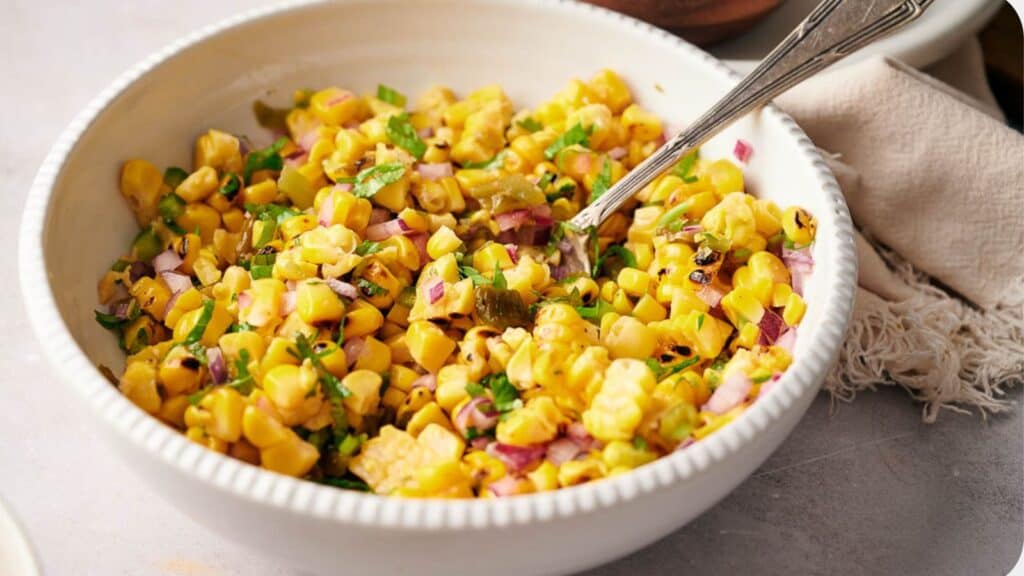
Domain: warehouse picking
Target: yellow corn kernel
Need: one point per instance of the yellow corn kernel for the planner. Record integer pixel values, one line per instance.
(365, 388)
(643, 125)
(218, 150)
(225, 406)
(198, 185)
(621, 454)
(293, 457)
(262, 429)
(768, 265)
(187, 300)
(180, 371)
(648, 310)
(621, 302)
(630, 338)
(608, 88)
(265, 302)
(576, 472)
(725, 177)
(545, 477)
(172, 411)
(442, 242)
(705, 333)
(794, 310)
(491, 255)
(260, 193)
(232, 344)
(451, 386)
(780, 295)
(484, 467)
(334, 106)
(429, 414)
(219, 322)
(618, 406)
(445, 444)
(376, 356)
(152, 294)
(349, 146)
(535, 423)
(141, 183)
(362, 319)
(288, 386)
(316, 302)
(138, 384)
(768, 217)
(799, 226)
(429, 345)
(201, 217)
(748, 335)
(742, 306)
(277, 353)
(634, 282)
(233, 220)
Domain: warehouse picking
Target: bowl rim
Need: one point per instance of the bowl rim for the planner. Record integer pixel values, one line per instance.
(288, 494)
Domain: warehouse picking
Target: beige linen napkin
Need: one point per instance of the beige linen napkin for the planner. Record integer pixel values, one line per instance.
(935, 183)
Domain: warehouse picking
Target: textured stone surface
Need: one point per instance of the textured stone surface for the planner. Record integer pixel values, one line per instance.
(869, 490)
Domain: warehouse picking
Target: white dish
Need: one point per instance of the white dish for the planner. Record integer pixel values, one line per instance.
(16, 556)
(75, 223)
(943, 27)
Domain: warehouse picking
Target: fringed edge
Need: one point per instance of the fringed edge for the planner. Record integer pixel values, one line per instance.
(940, 350)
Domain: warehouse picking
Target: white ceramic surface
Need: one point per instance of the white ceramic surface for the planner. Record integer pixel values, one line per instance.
(943, 27)
(16, 556)
(532, 48)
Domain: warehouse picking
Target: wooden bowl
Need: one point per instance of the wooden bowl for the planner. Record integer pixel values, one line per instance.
(702, 22)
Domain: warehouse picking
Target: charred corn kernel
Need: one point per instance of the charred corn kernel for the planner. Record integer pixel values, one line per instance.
(485, 468)
(180, 371)
(262, 193)
(198, 185)
(429, 345)
(576, 472)
(442, 242)
(288, 385)
(138, 384)
(799, 226)
(416, 399)
(429, 414)
(140, 185)
(362, 320)
(648, 310)
(316, 303)
(335, 106)
(365, 388)
(705, 333)
(544, 477)
(535, 423)
(618, 407)
(630, 338)
(152, 294)
(625, 455)
(200, 217)
(376, 356)
(794, 310)
(217, 150)
(780, 295)
(586, 287)
(451, 386)
(293, 457)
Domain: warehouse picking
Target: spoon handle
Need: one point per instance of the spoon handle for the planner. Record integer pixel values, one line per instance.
(834, 30)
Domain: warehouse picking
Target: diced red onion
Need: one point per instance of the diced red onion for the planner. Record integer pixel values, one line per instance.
(420, 241)
(434, 171)
(326, 214)
(730, 394)
(428, 381)
(296, 158)
(426, 132)
(787, 340)
(436, 291)
(385, 230)
(307, 140)
(692, 229)
(137, 270)
(799, 257)
(291, 284)
(660, 141)
(577, 432)
(474, 416)
(166, 261)
(244, 299)
(742, 150)
(563, 450)
(121, 308)
(343, 187)
(617, 153)
(378, 215)
(517, 458)
(480, 442)
(799, 278)
(343, 289)
(506, 236)
(771, 326)
(215, 362)
(512, 220)
(710, 295)
(353, 349)
(178, 283)
(513, 252)
(507, 486)
(288, 302)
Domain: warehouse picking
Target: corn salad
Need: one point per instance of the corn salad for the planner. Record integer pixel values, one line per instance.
(384, 299)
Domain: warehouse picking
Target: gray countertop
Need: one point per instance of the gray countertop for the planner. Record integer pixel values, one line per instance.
(868, 489)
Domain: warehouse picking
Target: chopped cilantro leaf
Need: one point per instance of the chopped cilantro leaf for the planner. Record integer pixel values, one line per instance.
(493, 164)
(401, 133)
(474, 275)
(276, 211)
(243, 380)
(615, 251)
(474, 390)
(231, 187)
(595, 311)
(390, 95)
(174, 176)
(267, 230)
(120, 266)
(506, 396)
(640, 444)
(602, 182)
(332, 386)
(529, 124)
(370, 181)
(108, 321)
(366, 247)
(346, 483)
(196, 333)
(685, 166)
(575, 135)
(700, 322)
(268, 158)
(369, 288)
(196, 397)
(499, 281)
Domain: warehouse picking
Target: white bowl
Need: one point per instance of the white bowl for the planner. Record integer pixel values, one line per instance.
(76, 223)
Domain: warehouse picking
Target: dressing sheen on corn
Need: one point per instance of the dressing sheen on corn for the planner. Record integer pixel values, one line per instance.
(383, 299)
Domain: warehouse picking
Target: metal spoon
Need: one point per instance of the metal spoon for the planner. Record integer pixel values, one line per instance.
(833, 31)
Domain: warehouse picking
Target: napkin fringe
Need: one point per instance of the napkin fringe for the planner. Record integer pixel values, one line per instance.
(942, 351)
